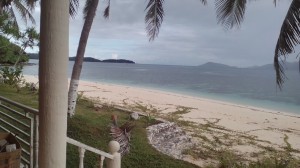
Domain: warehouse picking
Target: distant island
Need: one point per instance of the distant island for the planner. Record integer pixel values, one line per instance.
(89, 59)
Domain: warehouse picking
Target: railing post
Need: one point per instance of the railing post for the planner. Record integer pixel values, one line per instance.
(81, 156)
(31, 140)
(113, 148)
(101, 161)
(36, 141)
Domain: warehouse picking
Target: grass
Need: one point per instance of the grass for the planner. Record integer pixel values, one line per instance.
(92, 128)
(90, 125)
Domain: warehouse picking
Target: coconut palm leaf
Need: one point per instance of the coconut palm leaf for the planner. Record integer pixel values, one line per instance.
(73, 8)
(154, 17)
(122, 134)
(23, 7)
(24, 12)
(204, 2)
(30, 4)
(86, 8)
(107, 10)
(12, 17)
(288, 38)
(230, 13)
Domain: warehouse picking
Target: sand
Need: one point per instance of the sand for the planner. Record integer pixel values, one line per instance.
(244, 129)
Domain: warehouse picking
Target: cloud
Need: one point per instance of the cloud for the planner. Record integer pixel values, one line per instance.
(189, 34)
(114, 56)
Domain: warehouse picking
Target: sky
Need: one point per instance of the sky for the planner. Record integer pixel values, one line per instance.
(189, 35)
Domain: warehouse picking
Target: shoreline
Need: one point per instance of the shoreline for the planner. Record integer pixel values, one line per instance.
(247, 130)
(34, 79)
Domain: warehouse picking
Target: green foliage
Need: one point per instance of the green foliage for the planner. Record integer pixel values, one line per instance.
(31, 86)
(11, 53)
(11, 75)
(13, 42)
(24, 96)
(288, 145)
(229, 159)
(276, 162)
(8, 25)
(150, 119)
(28, 38)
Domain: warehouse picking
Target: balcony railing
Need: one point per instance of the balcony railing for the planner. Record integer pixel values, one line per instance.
(23, 121)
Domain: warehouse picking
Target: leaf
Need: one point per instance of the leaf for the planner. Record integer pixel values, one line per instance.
(204, 2)
(107, 10)
(288, 38)
(24, 12)
(87, 6)
(154, 17)
(230, 13)
(73, 8)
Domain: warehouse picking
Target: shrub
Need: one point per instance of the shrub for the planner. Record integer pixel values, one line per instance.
(12, 76)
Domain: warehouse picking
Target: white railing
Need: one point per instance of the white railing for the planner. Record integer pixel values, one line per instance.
(114, 157)
(23, 121)
(20, 119)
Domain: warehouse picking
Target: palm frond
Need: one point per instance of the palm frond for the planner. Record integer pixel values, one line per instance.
(107, 10)
(73, 8)
(87, 6)
(122, 135)
(12, 16)
(30, 4)
(154, 17)
(288, 38)
(23, 11)
(204, 2)
(230, 13)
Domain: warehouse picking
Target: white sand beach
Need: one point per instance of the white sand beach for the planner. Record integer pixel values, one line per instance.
(244, 129)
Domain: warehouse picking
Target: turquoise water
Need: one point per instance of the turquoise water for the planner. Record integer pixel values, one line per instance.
(247, 86)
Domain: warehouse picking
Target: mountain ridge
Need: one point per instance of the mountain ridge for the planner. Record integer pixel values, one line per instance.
(216, 66)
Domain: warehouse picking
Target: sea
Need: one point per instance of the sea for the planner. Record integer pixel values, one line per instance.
(254, 86)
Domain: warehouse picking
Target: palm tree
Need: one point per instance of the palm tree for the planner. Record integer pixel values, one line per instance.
(89, 14)
(153, 19)
(8, 9)
(230, 13)
(23, 7)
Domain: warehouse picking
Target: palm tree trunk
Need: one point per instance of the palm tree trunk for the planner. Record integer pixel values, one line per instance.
(1, 7)
(72, 96)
